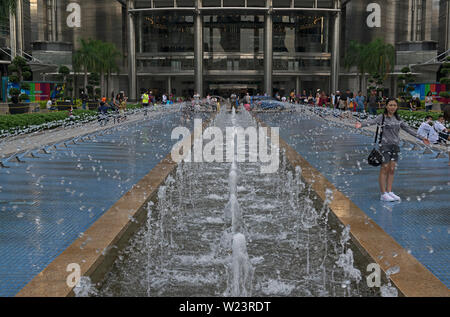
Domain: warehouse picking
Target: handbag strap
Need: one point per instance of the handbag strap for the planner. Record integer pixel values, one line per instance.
(381, 134)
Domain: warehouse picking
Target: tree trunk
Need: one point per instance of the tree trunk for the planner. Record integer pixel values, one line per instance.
(102, 85)
(74, 85)
(108, 82)
(360, 81)
(85, 80)
(364, 84)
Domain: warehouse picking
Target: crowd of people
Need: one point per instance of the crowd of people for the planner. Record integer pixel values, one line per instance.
(354, 101)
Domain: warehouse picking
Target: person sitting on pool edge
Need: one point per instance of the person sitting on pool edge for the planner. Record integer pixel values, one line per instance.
(426, 130)
(390, 146)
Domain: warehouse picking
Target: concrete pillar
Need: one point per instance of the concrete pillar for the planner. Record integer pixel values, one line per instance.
(20, 28)
(169, 86)
(335, 52)
(131, 53)
(414, 21)
(13, 35)
(60, 13)
(140, 31)
(54, 22)
(198, 50)
(447, 38)
(268, 50)
(297, 85)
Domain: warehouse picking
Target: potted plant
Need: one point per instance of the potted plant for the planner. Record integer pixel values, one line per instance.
(17, 105)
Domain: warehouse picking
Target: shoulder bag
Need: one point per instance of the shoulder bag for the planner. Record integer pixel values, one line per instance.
(375, 157)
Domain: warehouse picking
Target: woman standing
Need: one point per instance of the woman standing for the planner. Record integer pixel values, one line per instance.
(389, 146)
(429, 101)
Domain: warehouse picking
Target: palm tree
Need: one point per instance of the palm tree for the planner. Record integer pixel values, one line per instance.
(380, 58)
(85, 58)
(111, 56)
(7, 7)
(357, 56)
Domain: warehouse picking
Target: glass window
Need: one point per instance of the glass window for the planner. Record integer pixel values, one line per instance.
(211, 3)
(168, 33)
(233, 3)
(256, 3)
(185, 3)
(325, 4)
(304, 3)
(282, 3)
(302, 33)
(163, 3)
(233, 34)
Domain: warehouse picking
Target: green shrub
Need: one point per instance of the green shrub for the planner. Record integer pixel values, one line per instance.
(23, 97)
(444, 94)
(134, 106)
(14, 91)
(414, 118)
(10, 123)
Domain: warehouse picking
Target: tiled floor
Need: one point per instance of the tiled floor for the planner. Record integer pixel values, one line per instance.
(47, 202)
(420, 223)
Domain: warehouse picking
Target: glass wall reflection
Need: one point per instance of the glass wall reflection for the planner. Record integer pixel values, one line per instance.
(171, 32)
(234, 42)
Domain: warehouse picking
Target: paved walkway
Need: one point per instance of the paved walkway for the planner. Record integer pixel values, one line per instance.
(22, 143)
(420, 223)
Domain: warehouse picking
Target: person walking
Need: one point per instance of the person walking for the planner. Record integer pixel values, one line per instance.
(360, 102)
(145, 101)
(391, 124)
(103, 112)
(373, 103)
(429, 102)
(84, 99)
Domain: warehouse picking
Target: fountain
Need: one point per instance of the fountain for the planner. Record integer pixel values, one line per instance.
(221, 229)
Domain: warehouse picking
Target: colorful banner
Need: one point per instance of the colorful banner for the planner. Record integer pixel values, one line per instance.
(421, 90)
(38, 91)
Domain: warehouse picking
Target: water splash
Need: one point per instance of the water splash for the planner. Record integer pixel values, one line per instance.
(242, 270)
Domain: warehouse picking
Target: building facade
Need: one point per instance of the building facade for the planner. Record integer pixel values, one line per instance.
(219, 46)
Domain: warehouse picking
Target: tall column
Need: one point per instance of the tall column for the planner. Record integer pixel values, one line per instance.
(13, 35)
(54, 22)
(169, 86)
(414, 21)
(297, 85)
(198, 50)
(20, 29)
(335, 53)
(268, 50)
(131, 53)
(59, 20)
(140, 31)
(447, 38)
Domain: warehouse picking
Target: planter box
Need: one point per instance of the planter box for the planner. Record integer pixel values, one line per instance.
(19, 108)
(63, 105)
(92, 105)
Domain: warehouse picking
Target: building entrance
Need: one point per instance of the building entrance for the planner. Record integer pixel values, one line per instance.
(226, 89)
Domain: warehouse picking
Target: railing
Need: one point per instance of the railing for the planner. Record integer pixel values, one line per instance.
(438, 59)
